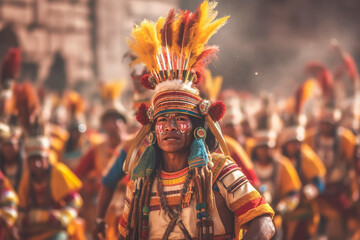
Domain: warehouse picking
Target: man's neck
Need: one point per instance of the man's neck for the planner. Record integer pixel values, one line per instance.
(174, 162)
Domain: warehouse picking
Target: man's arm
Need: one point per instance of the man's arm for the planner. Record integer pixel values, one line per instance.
(260, 228)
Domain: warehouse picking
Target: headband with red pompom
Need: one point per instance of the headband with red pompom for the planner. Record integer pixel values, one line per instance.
(216, 110)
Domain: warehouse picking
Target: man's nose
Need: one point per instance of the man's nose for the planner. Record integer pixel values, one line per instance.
(171, 125)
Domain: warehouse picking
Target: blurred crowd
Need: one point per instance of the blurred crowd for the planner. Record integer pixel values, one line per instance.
(61, 155)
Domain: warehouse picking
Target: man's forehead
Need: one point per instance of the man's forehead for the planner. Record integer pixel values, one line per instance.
(171, 115)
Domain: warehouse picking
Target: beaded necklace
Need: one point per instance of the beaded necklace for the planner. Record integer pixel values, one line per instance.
(173, 214)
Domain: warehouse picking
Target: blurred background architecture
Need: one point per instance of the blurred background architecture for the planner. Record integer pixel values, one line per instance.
(66, 43)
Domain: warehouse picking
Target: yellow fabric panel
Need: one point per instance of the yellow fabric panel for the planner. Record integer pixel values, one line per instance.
(288, 178)
(59, 132)
(63, 181)
(347, 143)
(250, 215)
(311, 165)
(237, 149)
(249, 146)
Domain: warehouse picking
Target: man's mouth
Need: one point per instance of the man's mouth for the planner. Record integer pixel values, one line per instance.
(171, 138)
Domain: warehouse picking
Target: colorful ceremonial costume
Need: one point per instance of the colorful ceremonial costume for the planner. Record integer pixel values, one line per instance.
(41, 204)
(8, 206)
(95, 163)
(303, 222)
(337, 155)
(11, 166)
(48, 198)
(210, 198)
(279, 181)
(78, 142)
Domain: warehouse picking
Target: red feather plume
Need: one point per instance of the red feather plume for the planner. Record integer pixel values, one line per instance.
(167, 30)
(11, 65)
(141, 115)
(323, 75)
(351, 67)
(27, 104)
(145, 82)
(183, 27)
(206, 56)
(217, 110)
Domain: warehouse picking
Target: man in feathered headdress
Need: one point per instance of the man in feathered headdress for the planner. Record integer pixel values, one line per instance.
(279, 182)
(303, 222)
(93, 164)
(114, 181)
(180, 188)
(335, 146)
(11, 163)
(48, 192)
(78, 142)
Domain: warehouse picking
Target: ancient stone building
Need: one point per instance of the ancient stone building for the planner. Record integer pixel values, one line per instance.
(64, 42)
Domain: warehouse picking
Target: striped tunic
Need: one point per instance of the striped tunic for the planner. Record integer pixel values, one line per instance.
(240, 196)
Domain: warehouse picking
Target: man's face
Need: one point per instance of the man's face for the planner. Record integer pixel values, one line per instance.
(38, 164)
(292, 148)
(10, 149)
(113, 126)
(174, 132)
(262, 154)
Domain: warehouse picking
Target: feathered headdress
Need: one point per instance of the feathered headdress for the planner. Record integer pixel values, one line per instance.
(174, 48)
(74, 103)
(28, 109)
(110, 93)
(175, 53)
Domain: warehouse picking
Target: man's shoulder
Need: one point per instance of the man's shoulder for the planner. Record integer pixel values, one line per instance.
(222, 166)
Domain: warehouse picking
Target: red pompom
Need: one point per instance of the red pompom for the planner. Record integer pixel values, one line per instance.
(217, 110)
(141, 115)
(145, 81)
(199, 77)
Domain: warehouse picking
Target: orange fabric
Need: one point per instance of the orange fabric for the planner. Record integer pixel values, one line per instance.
(312, 165)
(288, 178)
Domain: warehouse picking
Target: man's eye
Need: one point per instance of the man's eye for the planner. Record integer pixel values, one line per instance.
(181, 119)
(161, 120)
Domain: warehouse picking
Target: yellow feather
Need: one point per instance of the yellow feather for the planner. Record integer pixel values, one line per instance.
(212, 85)
(159, 25)
(206, 28)
(112, 90)
(145, 44)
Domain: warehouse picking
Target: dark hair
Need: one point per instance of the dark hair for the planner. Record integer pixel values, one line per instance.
(210, 140)
(112, 114)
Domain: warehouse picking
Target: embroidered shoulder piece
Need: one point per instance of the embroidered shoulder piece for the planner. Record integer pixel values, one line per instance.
(218, 161)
